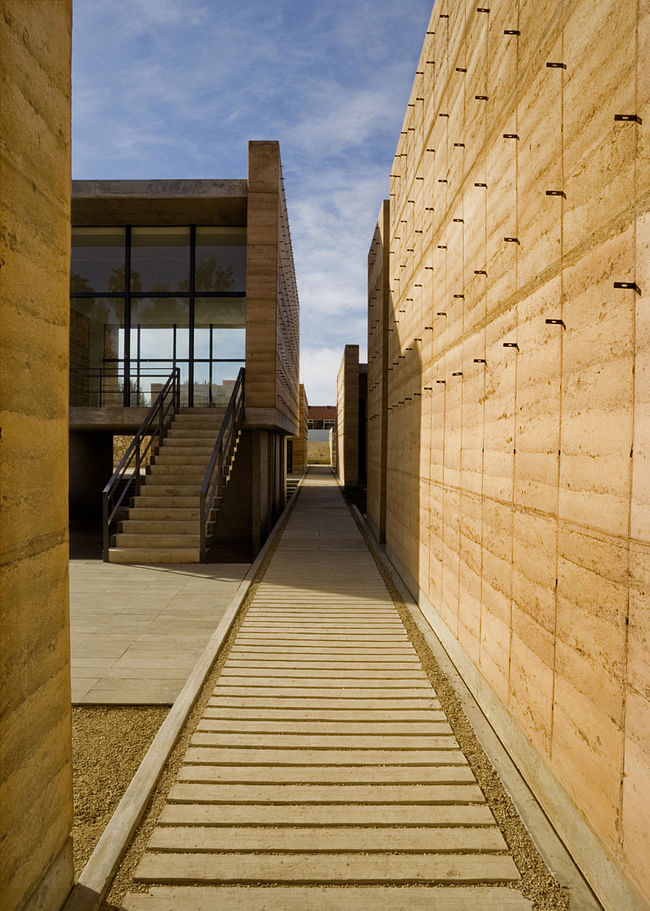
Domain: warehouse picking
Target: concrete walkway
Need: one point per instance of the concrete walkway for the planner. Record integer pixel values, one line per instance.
(323, 774)
(137, 631)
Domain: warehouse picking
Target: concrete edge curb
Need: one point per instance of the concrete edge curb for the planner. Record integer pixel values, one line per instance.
(94, 879)
(546, 839)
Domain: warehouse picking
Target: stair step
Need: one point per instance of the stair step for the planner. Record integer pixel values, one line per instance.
(154, 555)
(152, 500)
(132, 526)
(182, 469)
(181, 444)
(157, 541)
(163, 514)
(191, 433)
(173, 457)
(169, 489)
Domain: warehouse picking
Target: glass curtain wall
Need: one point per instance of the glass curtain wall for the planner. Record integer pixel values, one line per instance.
(146, 300)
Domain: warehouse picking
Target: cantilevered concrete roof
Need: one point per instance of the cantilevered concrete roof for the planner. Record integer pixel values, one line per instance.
(159, 202)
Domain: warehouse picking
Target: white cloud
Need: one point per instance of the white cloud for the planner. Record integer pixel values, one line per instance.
(318, 369)
(163, 88)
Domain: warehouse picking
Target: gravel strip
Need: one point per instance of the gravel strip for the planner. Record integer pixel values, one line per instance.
(108, 745)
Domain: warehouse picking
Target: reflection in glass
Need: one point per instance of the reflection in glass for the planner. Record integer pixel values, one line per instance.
(159, 340)
(147, 380)
(160, 259)
(96, 332)
(220, 259)
(97, 260)
(214, 382)
(219, 328)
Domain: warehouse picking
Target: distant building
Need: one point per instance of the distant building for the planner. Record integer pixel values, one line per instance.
(321, 417)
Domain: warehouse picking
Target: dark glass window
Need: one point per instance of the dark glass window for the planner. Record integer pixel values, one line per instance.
(160, 259)
(98, 260)
(126, 340)
(220, 259)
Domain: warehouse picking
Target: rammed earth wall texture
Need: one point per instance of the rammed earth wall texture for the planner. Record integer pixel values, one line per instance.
(35, 738)
(509, 367)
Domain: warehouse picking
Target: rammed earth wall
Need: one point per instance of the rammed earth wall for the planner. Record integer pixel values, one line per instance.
(35, 726)
(509, 376)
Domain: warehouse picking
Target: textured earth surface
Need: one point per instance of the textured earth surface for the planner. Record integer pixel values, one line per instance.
(108, 745)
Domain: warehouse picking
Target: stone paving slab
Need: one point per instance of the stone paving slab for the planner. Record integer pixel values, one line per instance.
(407, 703)
(323, 756)
(454, 770)
(323, 868)
(445, 792)
(469, 815)
(324, 898)
(322, 839)
(360, 727)
(142, 628)
(222, 755)
(378, 716)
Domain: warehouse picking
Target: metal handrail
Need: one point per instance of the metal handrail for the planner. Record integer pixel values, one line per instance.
(217, 472)
(154, 426)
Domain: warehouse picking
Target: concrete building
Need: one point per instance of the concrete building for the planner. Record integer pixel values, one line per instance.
(297, 445)
(509, 409)
(35, 725)
(351, 394)
(195, 277)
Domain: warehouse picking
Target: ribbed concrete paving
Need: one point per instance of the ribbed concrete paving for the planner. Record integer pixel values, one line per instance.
(323, 773)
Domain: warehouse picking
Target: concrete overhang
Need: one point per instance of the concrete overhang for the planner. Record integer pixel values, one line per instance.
(114, 418)
(269, 419)
(102, 203)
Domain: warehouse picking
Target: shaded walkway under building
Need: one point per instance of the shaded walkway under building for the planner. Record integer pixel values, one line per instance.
(323, 773)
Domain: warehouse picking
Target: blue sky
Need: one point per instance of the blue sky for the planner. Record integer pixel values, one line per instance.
(176, 88)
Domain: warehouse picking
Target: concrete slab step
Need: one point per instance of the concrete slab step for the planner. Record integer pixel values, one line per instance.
(323, 868)
(192, 433)
(161, 488)
(220, 814)
(300, 662)
(281, 774)
(367, 674)
(153, 555)
(359, 726)
(158, 541)
(357, 683)
(181, 444)
(151, 527)
(363, 703)
(383, 716)
(322, 756)
(181, 457)
(172, 472)
(324, 741)
(152, 499)
(326, 898)
(444, 792)
(153, 514)
(322, 839)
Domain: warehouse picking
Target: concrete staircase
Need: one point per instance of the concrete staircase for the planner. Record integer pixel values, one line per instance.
(163, 524)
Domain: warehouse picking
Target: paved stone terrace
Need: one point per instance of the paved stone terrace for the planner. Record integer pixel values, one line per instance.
(137, 631)
(323, 774)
